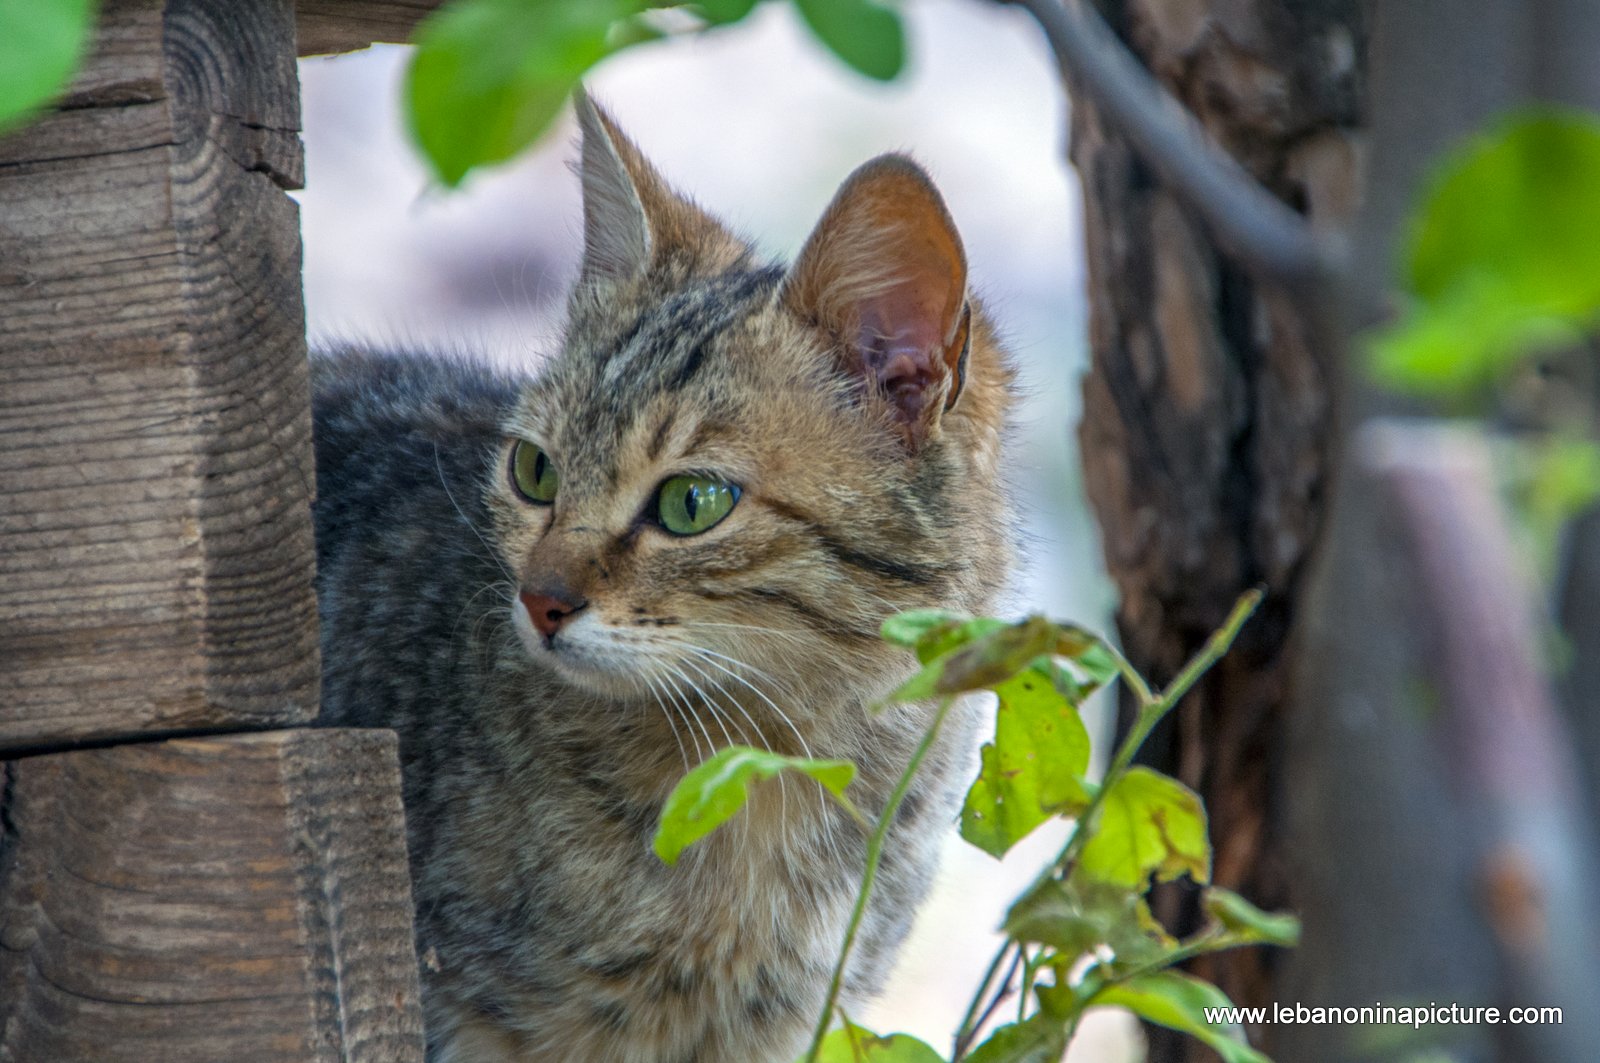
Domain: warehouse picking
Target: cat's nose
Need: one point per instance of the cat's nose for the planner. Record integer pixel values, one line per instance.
(548, 610)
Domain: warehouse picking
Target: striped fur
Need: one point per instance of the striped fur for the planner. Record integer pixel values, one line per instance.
(534, 773)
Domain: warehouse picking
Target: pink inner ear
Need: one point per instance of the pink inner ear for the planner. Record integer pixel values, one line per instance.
(902, 348)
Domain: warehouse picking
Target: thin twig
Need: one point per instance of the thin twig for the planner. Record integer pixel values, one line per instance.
(870, 873)
(1002, 991)
(1245, 218)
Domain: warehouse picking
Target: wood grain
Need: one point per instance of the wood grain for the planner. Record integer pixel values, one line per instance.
(239, 897)
(326, 26)
(156, 554)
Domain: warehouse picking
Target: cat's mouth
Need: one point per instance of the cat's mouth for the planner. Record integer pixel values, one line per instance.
(585, 653)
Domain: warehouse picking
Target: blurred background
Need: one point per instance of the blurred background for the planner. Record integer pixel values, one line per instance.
(760, 125)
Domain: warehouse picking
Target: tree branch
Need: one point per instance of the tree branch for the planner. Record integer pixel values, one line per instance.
(1265, 234)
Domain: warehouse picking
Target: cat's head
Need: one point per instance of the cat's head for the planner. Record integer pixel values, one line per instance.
(732, 473)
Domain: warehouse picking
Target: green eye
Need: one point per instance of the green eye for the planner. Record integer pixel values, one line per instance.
(688, 505)
(533, 473)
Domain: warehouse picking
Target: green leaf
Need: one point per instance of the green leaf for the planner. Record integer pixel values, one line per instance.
(1079, 916)
(1148, 823)
(1503, 258)
(722, 12)
(41, 44)
(1246, 924)
(996, 656)
(1034, 767)
(974, 655)
(1178, 1002)
(712, 793)
(866, 35)
(1041, 1039)
(489, 76)
(1098, 663)
(945, 640)
(851, 1044)
(912, 626)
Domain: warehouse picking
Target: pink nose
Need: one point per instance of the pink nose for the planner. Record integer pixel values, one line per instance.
(549, 611)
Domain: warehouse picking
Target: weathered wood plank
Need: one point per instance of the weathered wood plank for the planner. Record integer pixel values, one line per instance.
(156, 555)
(238, 897)
(345, 25)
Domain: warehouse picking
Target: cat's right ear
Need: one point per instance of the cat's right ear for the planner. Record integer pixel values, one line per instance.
(616, 229)
(884, 276)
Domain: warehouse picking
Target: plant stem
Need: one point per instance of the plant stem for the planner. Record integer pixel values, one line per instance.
(969, 1023)
(1214, 648)
(870, 875)
(1001, 991)
(1151, 710)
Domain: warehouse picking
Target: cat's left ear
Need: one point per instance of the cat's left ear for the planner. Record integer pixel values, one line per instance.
(885, 276)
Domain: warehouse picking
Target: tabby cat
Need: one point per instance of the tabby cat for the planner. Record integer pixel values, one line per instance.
(684, 532)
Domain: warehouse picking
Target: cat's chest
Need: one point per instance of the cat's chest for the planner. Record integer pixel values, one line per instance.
(723, 956)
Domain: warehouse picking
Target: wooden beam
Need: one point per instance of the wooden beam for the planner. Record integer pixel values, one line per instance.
(156, 554)
(345, 25)
(238, 897)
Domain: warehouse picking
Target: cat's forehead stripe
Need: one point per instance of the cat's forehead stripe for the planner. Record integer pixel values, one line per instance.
(667, 346)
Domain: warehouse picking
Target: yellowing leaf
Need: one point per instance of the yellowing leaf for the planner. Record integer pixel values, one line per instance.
(1034, 767)
(852, 1044)
(1148, 823)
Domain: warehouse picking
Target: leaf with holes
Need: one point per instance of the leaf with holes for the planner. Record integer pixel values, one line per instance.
(1034, 767)
(714, 792)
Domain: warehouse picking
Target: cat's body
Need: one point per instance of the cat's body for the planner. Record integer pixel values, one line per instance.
(553, 665)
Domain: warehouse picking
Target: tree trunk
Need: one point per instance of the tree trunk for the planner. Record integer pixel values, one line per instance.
(1206, 413)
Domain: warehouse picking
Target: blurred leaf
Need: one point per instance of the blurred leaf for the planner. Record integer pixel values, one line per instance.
(1034, 767)
(911, 627)
(1078, 916)
(944, 640)
(713, 792)
(933, 633)
(1040, 1039)
(1552, 479)
(489, 76)
(1504, 257)
(1247, 924)
(866, 35)
(996, 656)
(721, 12)
(1148, 823)
(974, 655)
(852, 1044)
(1178, 1001)
(1075, 641)
(41, 44)
(1098, 664)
